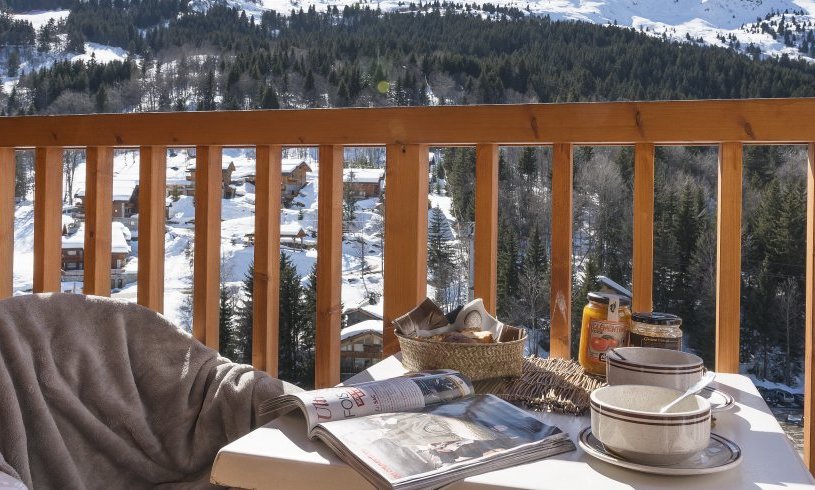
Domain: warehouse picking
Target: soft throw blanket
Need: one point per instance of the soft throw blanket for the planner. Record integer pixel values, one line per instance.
(96, 393)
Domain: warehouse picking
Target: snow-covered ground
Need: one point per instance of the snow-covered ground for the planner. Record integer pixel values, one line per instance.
(237, 223)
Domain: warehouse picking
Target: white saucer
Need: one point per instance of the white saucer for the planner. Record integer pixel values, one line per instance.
(720, 455)
(719, 400)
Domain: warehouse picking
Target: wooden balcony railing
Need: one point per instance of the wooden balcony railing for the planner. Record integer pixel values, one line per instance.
(406, 133)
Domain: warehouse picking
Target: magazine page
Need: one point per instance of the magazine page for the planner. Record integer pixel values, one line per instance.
(442, 443)
(408, 392)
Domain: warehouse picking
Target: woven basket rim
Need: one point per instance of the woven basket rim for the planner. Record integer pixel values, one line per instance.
(469, 344)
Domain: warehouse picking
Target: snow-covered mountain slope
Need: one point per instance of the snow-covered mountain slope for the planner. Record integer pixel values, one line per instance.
(728, 23)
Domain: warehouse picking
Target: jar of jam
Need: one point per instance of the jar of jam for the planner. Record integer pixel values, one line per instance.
(652, 329)
(606, 321)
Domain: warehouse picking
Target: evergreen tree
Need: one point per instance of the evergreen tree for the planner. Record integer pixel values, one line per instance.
(508, 270)
(440, 258)
(227, 338)
(13, 63)
(269, 100)
(528, 163)
(291, 323)
(534, 281)
(244, 316)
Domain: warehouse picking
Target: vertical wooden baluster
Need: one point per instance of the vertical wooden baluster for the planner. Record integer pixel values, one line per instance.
(406, 207)
(266, 313)
(485, 241)
(152, 223)
(329, 267)
(561, 279)
(98, 219)
(8, 171)
(728, 258)
(809, 320)
(48, 220)
(207, 257)
(643, 263)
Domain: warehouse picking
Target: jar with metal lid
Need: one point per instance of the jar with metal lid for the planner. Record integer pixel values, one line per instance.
(652, 329)
(606, 320)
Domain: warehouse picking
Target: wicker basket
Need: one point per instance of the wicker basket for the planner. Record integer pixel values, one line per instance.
(477, 361)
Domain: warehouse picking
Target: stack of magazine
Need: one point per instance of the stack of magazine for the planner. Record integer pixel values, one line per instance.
(422, 430)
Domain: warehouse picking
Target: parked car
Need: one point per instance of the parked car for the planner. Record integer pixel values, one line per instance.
(784, 397)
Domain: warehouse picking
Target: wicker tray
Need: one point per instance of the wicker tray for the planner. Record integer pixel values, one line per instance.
(477, 361)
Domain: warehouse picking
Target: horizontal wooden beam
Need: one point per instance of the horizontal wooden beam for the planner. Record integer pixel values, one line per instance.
(671, 122)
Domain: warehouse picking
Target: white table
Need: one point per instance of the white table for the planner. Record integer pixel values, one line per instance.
(280, 456)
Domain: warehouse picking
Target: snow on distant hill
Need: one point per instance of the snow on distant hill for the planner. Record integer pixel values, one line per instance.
(712, 22)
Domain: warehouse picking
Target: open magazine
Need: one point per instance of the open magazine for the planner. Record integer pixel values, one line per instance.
(422, 430)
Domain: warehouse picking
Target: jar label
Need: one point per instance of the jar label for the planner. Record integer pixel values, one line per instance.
(605, 335)
(639, 340)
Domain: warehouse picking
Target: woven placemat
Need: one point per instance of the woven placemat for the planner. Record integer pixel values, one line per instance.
(546, 385)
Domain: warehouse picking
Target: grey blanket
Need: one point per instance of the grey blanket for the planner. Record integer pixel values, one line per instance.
(96, 393)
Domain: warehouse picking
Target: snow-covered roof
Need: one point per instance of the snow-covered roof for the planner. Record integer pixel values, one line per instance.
(291, 229)
(122, 190)
(363, 175)
(289, 164)
(119, 237)
(368, 326)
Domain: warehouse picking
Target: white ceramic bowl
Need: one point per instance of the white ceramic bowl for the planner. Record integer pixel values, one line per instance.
(653, 366)
(625, 419)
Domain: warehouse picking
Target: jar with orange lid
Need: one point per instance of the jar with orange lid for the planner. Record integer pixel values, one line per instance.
(606, 322)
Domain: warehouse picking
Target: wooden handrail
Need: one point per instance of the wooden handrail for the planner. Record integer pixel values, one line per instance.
(406, 133)
(674, 122)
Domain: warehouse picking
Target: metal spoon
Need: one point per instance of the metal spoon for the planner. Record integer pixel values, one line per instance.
(706, 379)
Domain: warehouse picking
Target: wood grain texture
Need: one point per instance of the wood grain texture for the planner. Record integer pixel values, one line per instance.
(98, 219)
(681, 122)
(561, 279)
(643, 254)
(406, 207)
(728, 258)
(266, 297)
(329, 267)
(486, 225)
(809, 318)
(207, 256)
(8, 171)
(47, 219)
(152, 226)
